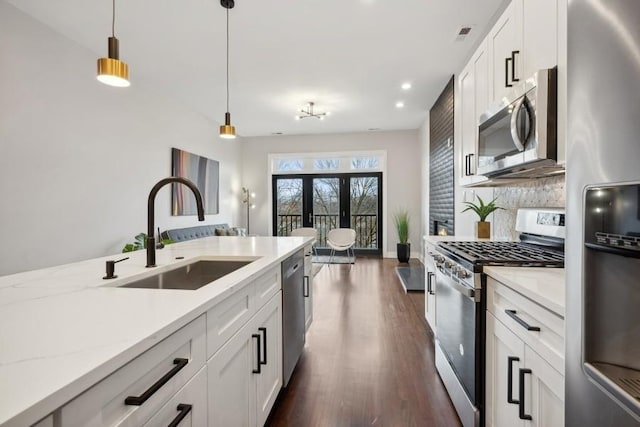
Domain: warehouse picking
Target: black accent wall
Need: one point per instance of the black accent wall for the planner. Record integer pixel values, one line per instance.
(441, 175)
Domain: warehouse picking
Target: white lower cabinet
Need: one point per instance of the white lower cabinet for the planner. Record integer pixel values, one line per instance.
(430, 285)
(245, 375)
(188, 407)
(308, 287)
(522, 389)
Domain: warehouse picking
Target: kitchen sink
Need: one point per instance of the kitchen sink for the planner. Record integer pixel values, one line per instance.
(191, 276)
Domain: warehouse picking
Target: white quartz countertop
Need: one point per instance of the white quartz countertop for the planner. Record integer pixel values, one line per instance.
(544, 285)
(62, 330)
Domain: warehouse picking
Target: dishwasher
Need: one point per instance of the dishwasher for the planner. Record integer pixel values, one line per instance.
(292, 313)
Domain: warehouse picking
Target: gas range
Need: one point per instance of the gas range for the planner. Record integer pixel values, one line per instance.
(457, 281)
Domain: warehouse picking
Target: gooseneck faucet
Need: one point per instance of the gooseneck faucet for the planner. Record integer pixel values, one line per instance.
(151, 240)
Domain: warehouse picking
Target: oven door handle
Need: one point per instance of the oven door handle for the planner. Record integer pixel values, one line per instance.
(464, 290)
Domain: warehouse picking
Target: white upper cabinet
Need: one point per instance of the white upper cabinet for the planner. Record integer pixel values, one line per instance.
(539, 35)
(504, 44)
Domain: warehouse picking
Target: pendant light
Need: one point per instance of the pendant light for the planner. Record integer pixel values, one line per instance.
(227, 131)
(112, 71)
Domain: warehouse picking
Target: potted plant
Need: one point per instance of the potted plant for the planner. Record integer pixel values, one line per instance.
(401, 220)
(483, 227)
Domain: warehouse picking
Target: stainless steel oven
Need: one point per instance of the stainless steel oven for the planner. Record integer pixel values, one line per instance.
(517, 137)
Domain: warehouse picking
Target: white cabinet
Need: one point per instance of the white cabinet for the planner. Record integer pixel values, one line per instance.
(539, 35)
(430, 286)
(523, 388)
(308, 287)
(504, 44)
(245, 375)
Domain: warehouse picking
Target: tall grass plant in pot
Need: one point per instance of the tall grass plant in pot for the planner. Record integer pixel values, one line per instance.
(401, 221)
(483, 210)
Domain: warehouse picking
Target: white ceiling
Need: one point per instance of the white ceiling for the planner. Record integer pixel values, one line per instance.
(348, 56)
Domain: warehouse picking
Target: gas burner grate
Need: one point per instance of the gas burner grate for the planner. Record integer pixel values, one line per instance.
(505, 253)
(631, 386)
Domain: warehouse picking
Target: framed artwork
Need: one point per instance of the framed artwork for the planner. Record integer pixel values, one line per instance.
(204, 173)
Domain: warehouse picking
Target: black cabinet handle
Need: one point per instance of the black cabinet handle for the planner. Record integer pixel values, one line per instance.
(471, 164)
(513, 65)
(257, 370)
(305, 286)
(528, 327)
(139, 400)
(263, 361)
(506, 72)
(522, 415)
(466, 165)
(510, 361)
(184, 411)
(430, 276)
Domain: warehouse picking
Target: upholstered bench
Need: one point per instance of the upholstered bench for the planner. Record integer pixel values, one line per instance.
(200, 231)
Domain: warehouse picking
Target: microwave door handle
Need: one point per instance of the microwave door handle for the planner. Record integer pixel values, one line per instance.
(515, 128)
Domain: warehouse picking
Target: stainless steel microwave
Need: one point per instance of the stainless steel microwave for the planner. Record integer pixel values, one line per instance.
(517, 137)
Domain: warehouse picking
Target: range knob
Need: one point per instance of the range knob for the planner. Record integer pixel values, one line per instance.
(448, 264)
(463, 274)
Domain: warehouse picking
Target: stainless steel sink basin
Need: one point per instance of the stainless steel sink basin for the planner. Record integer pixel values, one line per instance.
(191, 276)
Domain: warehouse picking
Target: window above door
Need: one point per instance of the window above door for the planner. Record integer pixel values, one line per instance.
(318, 162)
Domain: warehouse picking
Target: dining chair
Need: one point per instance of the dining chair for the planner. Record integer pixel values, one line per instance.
(307, 232)
(342, 239)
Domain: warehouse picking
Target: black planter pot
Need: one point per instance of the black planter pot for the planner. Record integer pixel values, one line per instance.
(404, 252)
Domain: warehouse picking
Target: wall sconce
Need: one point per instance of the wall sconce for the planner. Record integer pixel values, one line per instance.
(246, 199)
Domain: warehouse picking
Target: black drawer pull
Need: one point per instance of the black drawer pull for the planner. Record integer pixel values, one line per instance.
(430, 276)
(513, 65)
(257, 370)
(184, 411)
(522, 415)
(506, 72)
(139, 400)
(305, 286)
(510, 361)
(528, 327)
(264, 348)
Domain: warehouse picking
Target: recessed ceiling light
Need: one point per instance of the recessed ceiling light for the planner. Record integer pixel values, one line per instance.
(406, 86)
(399, 104)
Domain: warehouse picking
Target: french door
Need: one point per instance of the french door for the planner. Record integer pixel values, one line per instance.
(327, 201)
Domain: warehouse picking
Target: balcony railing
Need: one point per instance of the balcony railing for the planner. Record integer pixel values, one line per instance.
(366, 226)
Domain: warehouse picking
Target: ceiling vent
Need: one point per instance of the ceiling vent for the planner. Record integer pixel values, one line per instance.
(462, 34)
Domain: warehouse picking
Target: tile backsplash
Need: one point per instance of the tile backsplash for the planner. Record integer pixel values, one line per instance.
(546, 192)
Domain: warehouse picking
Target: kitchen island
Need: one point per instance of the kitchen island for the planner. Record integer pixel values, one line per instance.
(64, 329)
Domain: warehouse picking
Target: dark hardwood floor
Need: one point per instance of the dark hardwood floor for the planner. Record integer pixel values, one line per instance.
(369, 358)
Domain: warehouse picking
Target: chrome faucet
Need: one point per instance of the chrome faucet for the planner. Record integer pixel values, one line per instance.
(151, 240)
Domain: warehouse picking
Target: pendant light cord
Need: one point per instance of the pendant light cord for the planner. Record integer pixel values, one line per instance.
(227, 59)
(113, 18)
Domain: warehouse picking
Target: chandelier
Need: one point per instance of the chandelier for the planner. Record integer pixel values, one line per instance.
(308, 112)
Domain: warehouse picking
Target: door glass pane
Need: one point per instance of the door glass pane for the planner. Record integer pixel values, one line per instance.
(364, 211)
(326, 207)
(288, 205)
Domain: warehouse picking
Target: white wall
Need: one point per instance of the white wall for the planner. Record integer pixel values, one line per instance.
(403, 173)
(79, 158)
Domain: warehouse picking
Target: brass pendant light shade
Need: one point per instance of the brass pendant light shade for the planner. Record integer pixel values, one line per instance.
(227, 131)
(112, 71)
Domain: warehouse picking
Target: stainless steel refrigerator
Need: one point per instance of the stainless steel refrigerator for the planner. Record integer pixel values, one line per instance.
(603, 207)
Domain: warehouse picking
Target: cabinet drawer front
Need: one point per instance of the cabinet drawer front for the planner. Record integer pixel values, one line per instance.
(189, 405)
(548, 341)
(267, 285)
(104, 403)
(227, 317)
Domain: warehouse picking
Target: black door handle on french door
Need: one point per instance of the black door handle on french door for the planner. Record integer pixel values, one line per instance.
(522, 414)
(513, 65)
(139, 400)
(305, 286)
(514, 316)
(263, 360)
(506, 72)
(184, 411)
(257, 370)
(510, 361)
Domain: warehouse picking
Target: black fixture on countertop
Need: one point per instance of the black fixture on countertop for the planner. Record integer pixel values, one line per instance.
(151, 240)
(111, 268)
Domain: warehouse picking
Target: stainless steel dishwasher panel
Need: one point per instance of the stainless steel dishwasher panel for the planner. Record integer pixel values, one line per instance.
(292, 313)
